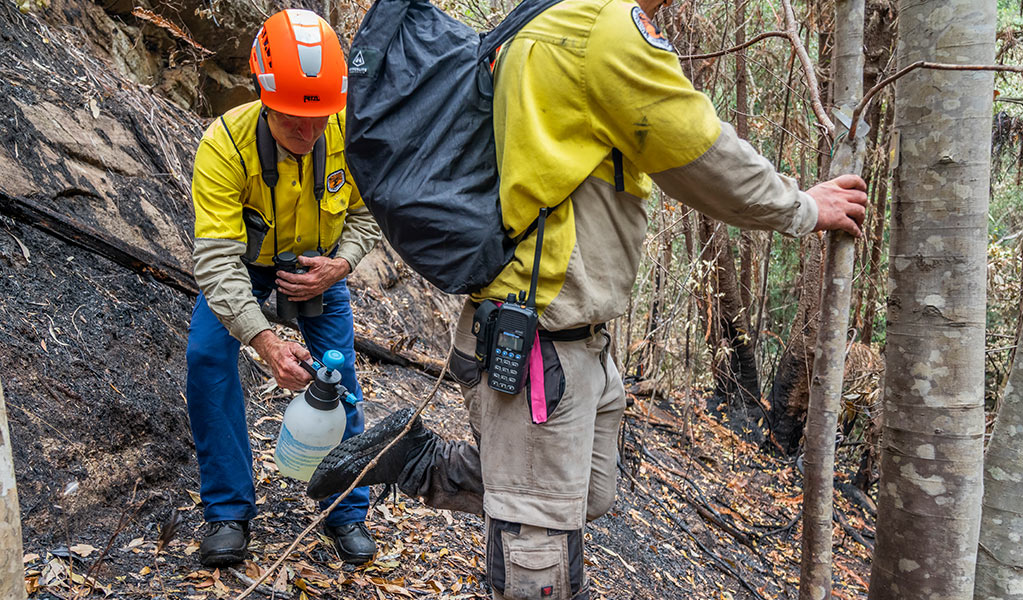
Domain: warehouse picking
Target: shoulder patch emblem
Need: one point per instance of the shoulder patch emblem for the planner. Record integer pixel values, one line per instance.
(335, 181)
(649, 30)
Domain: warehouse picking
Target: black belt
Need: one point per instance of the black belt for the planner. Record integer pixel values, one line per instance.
(572, 335)
(565, 335)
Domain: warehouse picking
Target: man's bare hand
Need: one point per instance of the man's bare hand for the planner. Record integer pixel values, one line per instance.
(321, 273)
(841, 204)
(283, 359)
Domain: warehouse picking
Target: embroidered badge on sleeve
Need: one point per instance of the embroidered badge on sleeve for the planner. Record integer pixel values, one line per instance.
(649, 30)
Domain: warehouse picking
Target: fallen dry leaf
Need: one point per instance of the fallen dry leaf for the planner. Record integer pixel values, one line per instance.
(82, 550)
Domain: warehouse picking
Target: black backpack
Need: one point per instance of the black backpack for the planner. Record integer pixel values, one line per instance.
(420, 138)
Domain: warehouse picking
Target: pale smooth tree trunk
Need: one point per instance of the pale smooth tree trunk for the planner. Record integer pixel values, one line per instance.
(829, 361)
(12, 578)
(1000, 552)
(929, 499)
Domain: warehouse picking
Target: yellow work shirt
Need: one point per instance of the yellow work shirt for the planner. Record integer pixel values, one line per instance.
(582, 78)
(227, 178)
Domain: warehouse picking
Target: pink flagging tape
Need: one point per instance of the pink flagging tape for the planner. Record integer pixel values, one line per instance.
(537, 399)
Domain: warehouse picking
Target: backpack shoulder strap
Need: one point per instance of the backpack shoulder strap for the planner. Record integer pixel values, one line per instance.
(516, 20)
(266, 148)
(319, 167)
(616, 160)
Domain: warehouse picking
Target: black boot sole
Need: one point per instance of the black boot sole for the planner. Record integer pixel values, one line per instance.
(223, 558)
(339, 469)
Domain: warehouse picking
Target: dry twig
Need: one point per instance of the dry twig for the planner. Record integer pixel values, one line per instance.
(174, 30)
(811, 77)
(920, 64)
(754, 40)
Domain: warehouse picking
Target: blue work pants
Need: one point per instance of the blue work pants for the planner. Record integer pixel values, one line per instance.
(216, 403)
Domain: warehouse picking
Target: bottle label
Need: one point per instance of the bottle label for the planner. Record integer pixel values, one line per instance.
(295, 457)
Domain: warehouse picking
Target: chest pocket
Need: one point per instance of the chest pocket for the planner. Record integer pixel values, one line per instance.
(336, 198)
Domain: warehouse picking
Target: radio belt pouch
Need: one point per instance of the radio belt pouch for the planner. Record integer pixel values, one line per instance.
(255, 233)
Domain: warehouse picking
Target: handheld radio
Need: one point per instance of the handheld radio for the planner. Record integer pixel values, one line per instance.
(513, 330)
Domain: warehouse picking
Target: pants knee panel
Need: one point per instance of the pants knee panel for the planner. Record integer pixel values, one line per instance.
(526, 562)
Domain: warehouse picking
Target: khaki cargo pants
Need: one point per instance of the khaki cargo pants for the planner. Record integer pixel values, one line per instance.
(541, 482)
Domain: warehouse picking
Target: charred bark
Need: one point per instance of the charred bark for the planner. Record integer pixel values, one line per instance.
(71, 230)
(790, 391)
(734, 363)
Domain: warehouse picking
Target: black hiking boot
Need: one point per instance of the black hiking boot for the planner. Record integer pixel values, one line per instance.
(353, 541)
(344, 463)
(225, 543)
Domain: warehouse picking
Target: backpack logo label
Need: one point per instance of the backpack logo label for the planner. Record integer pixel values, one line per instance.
(335, 181)
(365, 62)
(648, 29)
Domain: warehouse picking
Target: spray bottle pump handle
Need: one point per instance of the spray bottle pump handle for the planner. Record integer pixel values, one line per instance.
(332, 359)
(310, 368)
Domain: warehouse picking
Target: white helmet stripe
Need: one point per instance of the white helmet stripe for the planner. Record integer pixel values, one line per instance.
(306, 35)
(344, 85)
(301, 16)
(266, 81)
(310, 59)
(305, 26)
(259, 55)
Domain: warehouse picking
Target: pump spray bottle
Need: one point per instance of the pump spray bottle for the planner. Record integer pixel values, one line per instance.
(315, 420)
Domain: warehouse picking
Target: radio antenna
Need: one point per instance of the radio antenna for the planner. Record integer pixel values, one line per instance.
(540, 220)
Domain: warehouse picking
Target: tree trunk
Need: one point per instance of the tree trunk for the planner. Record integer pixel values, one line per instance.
(1000, 555)
(932, 442)
(791, 388)
(747, 240)
(826, 385)
(734, 364)
(876, 235)
(12, 577)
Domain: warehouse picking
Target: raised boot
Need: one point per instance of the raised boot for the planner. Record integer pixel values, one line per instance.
(338, 470)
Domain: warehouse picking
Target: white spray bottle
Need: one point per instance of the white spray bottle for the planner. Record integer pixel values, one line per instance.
(314, 421)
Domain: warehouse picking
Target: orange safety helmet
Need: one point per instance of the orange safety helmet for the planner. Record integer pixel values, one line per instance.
(298, 66)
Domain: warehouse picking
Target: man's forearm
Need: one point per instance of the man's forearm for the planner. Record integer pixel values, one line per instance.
(358, 237)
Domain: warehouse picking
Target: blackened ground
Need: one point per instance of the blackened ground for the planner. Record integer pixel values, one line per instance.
(91, 357)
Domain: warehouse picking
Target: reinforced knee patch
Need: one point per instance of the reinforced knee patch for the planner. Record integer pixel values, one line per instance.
(526, 562)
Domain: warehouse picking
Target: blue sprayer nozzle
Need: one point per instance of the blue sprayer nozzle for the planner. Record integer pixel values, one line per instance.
(333, 359)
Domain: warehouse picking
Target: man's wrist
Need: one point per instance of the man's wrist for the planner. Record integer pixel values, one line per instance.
(342, 268)
(263, 341)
